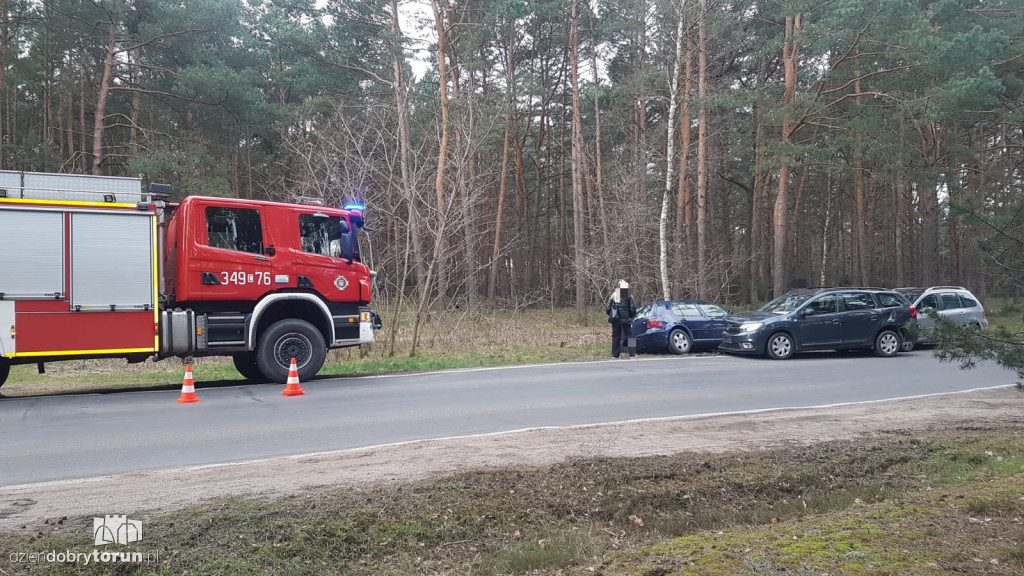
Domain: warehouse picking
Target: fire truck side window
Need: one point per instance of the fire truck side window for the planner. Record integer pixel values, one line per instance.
(321, 234)
(234, 229)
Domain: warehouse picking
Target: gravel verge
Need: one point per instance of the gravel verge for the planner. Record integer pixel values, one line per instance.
(150, 491)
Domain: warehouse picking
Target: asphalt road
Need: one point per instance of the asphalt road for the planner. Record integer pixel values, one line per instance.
(65, 437)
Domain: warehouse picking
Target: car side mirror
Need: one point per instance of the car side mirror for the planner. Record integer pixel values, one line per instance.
(807, 312)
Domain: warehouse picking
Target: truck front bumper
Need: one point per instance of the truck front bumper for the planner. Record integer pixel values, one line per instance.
(369, 321)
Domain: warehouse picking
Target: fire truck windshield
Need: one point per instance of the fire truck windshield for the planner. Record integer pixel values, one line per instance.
(321, 234)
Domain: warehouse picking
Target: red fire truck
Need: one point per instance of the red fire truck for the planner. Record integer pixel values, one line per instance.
(97, 267)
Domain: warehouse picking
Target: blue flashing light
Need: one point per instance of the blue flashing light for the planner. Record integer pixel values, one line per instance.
(359, 207)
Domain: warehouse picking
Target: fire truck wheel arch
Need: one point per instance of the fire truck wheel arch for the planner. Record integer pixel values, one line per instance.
(287, 339)
(271, 304)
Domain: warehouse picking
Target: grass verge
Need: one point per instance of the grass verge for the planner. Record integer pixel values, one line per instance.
(893, 504)
(465, 340)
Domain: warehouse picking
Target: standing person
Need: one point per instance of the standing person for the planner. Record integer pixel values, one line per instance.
(621, 312)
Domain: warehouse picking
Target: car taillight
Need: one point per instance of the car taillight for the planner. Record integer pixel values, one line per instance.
(652, 323)
(913, 312)
(983, 315)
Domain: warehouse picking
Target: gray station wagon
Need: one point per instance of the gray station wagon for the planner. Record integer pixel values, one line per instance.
(954, 304)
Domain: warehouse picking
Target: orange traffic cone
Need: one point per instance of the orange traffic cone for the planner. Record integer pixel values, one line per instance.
(188, 388)
(293, 388)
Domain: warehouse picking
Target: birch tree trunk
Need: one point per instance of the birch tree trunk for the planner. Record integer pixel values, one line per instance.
(670, 156)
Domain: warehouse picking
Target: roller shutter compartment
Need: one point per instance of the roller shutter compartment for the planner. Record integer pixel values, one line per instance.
(31, 255)
(112, 264)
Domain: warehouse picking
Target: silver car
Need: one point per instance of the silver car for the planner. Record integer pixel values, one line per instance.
(954, 304)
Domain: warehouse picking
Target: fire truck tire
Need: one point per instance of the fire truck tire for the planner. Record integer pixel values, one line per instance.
(287, 339)
(245, 363)
(5, 370)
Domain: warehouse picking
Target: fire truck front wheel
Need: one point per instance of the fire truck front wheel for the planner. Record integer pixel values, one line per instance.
(5, 370)
(287, 339)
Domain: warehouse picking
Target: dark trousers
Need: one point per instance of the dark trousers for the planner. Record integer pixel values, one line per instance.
(621, 334)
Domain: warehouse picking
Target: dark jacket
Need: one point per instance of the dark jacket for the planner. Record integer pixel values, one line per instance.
(625, 309)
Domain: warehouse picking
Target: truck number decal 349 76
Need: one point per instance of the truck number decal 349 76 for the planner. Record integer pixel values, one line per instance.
(243, 278)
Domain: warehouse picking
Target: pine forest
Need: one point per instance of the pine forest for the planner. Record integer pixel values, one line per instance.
(531, 152)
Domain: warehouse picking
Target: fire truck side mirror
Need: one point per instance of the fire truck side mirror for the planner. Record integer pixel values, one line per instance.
(348, 249)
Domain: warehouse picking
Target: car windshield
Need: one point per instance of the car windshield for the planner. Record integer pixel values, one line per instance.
(785, 303)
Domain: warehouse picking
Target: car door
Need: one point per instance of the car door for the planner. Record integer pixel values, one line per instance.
(690, 316)
(952, 310)
(716, 320)
(860, 318)
(819, 325)
(927, 306)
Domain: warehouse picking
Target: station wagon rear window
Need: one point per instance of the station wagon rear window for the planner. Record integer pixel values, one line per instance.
(858, 301)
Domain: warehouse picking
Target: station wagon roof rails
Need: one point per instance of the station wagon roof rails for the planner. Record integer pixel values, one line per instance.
(947, 288)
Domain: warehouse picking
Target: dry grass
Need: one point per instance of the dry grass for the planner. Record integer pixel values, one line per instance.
(876, 506)
(458, 339)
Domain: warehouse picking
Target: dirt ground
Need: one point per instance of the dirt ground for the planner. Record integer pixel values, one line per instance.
(138, 493)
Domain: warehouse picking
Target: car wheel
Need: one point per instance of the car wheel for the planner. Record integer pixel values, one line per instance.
(287, 339)
(887, 343)
(780, 346)
(245, 363)
(907, 346)
(679, 341)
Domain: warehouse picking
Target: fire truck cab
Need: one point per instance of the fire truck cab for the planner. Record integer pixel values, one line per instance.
(94, 267)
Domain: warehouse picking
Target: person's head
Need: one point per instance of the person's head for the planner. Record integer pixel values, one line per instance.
(623, 289)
